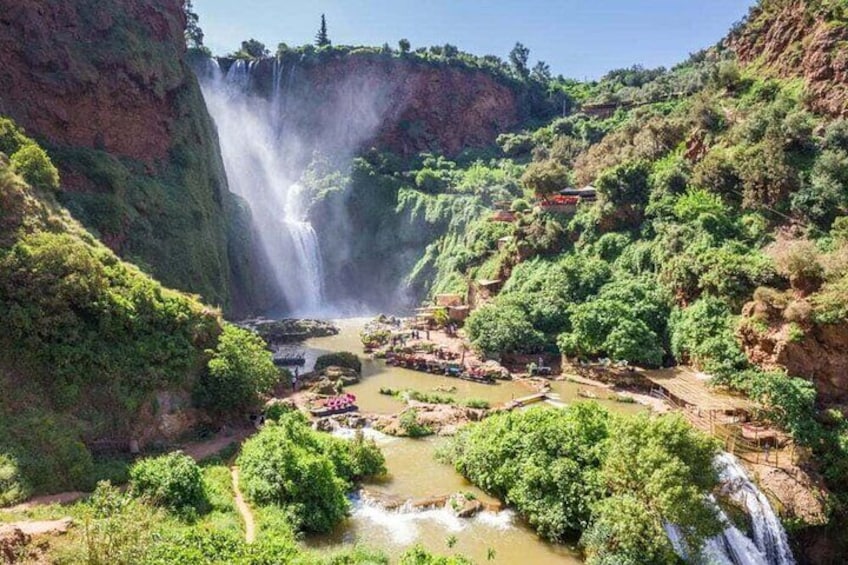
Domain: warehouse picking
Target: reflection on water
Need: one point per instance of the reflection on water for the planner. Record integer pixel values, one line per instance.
(414, 472)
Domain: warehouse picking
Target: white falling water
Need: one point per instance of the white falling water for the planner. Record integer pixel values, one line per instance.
(769, 545)
(250, 132)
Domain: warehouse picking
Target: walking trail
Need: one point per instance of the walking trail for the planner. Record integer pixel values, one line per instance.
(244, 509)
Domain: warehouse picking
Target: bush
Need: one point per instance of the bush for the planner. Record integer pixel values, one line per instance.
(172, 481)
(240, 369)
(341, 359)
(305, 472)
(408, 422)
(13, 486)
(32, 163)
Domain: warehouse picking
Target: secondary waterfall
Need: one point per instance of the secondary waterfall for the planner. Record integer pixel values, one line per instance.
(254, 149)
(768, 545)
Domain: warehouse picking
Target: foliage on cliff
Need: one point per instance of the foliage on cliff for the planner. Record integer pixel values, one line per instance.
(89, 340)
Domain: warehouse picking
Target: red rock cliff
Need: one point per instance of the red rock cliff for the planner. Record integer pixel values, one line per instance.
(106, 88)
(402, 104)
(75, 73)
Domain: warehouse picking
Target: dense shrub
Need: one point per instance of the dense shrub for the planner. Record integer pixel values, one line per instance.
(304, 471)
(173, 481)
(578, 469)
(339, 359)
(240, 369)
(496, 329)
(33, 164)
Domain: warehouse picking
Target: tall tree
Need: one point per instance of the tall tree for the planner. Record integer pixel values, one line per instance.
(322, 40)
(404, 46)
(193, 33)
(518, 58)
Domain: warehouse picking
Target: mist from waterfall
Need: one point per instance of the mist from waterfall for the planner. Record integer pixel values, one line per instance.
(768, 544)
(253, 151)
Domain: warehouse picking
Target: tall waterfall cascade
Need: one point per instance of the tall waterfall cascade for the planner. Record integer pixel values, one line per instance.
(253, 146)
(768, 544)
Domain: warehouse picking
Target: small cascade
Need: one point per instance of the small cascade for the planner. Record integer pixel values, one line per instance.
(769, 545)
(403, 525)
(250, 130)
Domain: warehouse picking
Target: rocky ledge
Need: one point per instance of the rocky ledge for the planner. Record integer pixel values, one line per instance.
(289, 330)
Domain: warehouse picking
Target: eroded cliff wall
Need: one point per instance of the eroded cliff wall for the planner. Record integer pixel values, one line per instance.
(105, 87)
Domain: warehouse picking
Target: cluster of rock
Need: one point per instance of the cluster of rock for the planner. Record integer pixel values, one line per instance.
(463, 505)
(440, 419)
(289, 330)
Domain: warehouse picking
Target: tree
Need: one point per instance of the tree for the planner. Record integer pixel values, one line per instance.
(518, 59)
(193, 33)
(404, 46)
(503, 328)
(541, 72)
(253, 49)
(625, 184)
(240, 369)
(321, 39)
(545, 178)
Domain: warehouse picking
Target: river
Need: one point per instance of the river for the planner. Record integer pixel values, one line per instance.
(413, 472)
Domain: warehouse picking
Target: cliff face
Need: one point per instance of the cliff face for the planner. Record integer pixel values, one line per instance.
(779, 333)
(105, 87)
(400, 104)
(801, 39)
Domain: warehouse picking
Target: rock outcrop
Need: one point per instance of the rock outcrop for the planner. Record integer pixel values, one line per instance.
(798, 39)
(773, 339)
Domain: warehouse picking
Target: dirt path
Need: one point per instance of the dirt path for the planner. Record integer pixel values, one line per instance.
(37, 527)
(244, 509)
(46, 500)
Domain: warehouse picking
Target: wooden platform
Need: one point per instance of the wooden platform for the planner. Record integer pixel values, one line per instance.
(684, 385)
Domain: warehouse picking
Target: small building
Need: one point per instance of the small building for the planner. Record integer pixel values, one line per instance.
(585, 194)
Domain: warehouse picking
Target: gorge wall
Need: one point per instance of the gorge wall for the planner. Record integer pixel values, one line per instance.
(105, 87)
(415, 105)
(800, 39)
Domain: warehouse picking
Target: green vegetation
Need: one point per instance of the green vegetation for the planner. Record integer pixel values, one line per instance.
(306, 473)
(615, 480)
(173, 481)
(91, 340)
(339, 359)
(239, 370)
(410, 426)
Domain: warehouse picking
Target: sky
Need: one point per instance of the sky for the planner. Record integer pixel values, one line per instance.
(581, 39)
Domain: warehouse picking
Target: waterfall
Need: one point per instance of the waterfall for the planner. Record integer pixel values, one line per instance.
(250, 130)
(769, 545)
